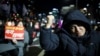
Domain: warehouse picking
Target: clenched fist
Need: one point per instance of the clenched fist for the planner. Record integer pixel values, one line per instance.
(50, 20)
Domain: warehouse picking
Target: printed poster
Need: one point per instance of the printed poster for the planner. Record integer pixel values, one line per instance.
(14, 32)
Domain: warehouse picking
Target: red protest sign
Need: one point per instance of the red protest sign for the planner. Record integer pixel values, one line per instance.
(14, 32)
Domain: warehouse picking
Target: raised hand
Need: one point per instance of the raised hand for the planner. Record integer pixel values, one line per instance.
(50, 19)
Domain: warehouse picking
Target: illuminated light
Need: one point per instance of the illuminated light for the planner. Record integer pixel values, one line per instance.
(54, 9)
(98, 22)
(88, 5)
(50, 13)
(99, 6)
(84, 8)
(89, 14)
(98, 3)
(72, 5)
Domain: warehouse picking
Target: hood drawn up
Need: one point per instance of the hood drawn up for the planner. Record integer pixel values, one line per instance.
(76, 16)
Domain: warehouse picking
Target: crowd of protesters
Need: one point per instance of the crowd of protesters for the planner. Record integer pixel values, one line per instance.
(16, 15)
(31, 28)
(31, 23)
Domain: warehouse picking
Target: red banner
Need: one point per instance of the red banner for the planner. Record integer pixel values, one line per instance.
(14, 32)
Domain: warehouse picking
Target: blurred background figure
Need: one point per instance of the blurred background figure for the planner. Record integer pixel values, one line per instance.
(21, 44)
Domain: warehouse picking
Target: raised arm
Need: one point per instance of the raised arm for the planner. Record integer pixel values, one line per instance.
(48, 39)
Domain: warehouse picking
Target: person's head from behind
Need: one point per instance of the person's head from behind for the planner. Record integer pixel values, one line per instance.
(12, 23)
(8, 23)
(19, 24)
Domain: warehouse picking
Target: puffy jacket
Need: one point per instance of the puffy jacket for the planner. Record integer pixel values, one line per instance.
(63, 43)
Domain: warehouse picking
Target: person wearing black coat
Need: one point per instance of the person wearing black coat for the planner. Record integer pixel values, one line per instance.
(75, 38)
(6, 46)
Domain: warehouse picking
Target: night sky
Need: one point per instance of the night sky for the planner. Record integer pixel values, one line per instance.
(43, 5)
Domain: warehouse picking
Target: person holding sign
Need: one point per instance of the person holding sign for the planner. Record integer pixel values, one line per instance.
(6, 46)
(20, 43)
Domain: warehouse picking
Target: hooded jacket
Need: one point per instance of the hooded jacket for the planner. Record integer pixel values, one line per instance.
(63, 43)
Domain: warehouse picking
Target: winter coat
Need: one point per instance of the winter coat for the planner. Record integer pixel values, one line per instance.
(21, 43)
(8, 45)
(63, 43)
(5, 45)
